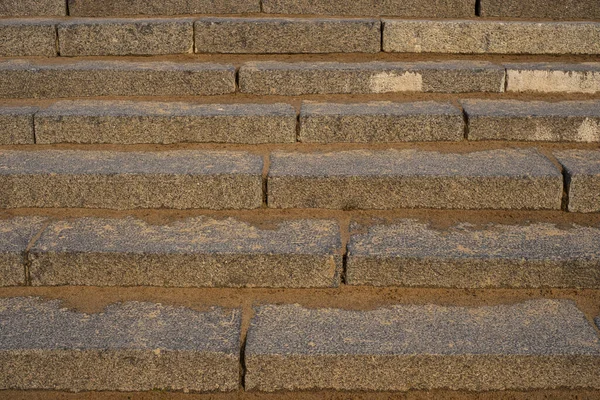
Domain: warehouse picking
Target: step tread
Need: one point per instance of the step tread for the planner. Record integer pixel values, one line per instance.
(124, 180)
(93, 8)
(45, 346)
(582, 168)
(127, 122)
(565, 121)
(532, 345)
(413, 253)
(195, 252)
(386, 179)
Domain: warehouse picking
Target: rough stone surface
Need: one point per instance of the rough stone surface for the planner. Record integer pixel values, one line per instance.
(121, 37)
(287, 35)
(553, 78)
(387, 179)
(74, 78)
(27, 38)
(196, 252)
(129, 122)
(16, 125)
(377, 122)
(126, 180)
(32, 8)
(15, 236)
(414, 254)
(129, 346)
(566, 121)
(400, 8)
(95, 8)
(290, 79)
(564, 9)
(540, 344)
(582, 169)
(502, 37)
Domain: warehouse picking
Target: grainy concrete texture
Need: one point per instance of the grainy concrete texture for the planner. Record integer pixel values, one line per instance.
(401, 8)
(25, 37)
(414, 254)
(565, 121)
(32, 8)
(128, 122)
(95, 8)
(287, 35)
(16, 125)
(197, 252)
(15, 236)
(389, 179)
(121, 37)
(532, 345)
(377, 122)
(74, 78)
(129, 346)
(553, 78)
(564, 9)
(501, 37)
(582, 170)
(130, 180)
(290, 79)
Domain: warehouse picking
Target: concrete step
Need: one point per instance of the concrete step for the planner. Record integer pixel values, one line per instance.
(128, 122)
(542, 344)
(378, 122)
(564, 9)
(130, 346)
(388, 179)
(402, 8)
(488, 37)
(287, 35)
(195, 252)
(84, 78)
(412, 253)
(292, 79)
(127, 180)
(553, 78)
(566, 121)
(582, 172)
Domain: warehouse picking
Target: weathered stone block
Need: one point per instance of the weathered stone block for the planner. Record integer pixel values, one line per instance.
(15, 236)
(553, 78)
(582, 171)
(537, 9)
(16, 125)
(32, 8)
(27, 38)
(94, 8)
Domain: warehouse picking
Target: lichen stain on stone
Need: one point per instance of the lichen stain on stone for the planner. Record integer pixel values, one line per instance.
(553, 81)
(389, 82)
(588, 131)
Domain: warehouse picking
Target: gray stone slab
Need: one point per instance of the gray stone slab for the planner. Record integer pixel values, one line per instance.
(377, 122)
(287, 35)
(582, 171)
(414, 254)
(16, 125)
(183, 179)
(130, 346)
(401, 8)
(125, 36)
(115, 8)
(500, 37)
(537, 9)
(539, 344)
(15, 236)
(290, 79)
(128, 122)
(553, 78)
(75, 78)
(565, 121)
(27, 37)
(389, 179)
(196, 252)
(32, 8)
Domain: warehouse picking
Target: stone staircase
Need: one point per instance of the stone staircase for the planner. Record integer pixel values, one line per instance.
(306, 199)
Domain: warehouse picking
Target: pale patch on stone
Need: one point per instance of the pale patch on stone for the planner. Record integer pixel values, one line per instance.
(553, 81)
(386, 82)
(543, 133)
(588, 131)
